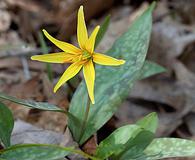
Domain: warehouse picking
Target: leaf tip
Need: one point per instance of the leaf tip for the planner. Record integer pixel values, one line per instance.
(153, 114)
(152, 6)
(163, 69)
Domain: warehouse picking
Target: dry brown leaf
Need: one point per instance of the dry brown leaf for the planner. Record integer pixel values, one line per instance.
(5, 20)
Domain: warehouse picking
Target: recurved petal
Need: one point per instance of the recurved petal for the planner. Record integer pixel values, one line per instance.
(82, 34)
(106, 60)
(89, 75)
(91, 41)
(71, 71)
(66, 47)
(60, 57)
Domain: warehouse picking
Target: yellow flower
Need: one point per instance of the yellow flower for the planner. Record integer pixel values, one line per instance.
(83, 57)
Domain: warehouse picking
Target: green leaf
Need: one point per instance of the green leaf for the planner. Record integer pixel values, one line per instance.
(134, 148)
(162, 148)
(42, 106)
(102, 31)
(116, 140)
(149, 122)
(151, 68)
(34, 152)
(6, 124)
(31, 104)
(112, 84)
(43, 44)
(45, 49)
(39, 152)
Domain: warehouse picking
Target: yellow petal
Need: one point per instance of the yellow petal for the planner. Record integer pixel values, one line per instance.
(60, 57)
(71, 71)
(89, 75)
(91, 42)
(106, 60)
(82, 34)
(66, 47)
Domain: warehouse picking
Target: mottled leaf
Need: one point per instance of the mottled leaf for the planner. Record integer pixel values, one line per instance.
(149, 122)
(6, 124)
(112, 84)
(31, 104)
(162, 148)
(42, 106)
(114, 142)
(34, 152)
(151, 68)
(134, 148)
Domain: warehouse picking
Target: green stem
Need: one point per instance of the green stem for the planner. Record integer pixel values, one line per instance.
(83, 126)
(45, 49)
(49, 71)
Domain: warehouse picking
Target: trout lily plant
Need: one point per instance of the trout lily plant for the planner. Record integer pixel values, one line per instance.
(86, 114)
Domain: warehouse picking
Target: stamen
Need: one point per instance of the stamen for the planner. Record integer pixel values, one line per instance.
(86, 55)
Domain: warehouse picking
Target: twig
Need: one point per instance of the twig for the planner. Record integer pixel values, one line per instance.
(25, 68)
(15, 51)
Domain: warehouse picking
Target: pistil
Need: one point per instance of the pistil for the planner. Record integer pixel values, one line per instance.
(86, 55)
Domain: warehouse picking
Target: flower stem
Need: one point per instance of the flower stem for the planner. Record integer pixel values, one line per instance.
(83, 126)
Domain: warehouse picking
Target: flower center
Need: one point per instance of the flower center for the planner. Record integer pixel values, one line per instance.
(85, 55)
